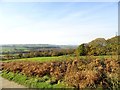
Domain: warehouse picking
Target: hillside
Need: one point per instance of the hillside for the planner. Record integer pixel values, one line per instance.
(100, 46)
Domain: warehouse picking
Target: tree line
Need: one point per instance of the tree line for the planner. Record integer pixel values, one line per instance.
(39, 53)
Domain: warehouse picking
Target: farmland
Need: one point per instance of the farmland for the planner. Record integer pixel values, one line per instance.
(41, 59)
(60, 58)
(87, 66)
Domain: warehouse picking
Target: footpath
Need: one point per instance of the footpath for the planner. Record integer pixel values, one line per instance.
(4, 83)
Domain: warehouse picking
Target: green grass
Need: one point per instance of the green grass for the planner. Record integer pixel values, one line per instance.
(32, 82)
(59, 58)
(41, 59)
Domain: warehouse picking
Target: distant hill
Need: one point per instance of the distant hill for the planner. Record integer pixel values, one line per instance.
(28, 47)
(102, 41)
(98, 41)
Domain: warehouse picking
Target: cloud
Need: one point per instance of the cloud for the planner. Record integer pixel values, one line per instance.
(65, 27)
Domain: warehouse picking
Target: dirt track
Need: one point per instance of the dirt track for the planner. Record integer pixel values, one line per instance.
(4, 83)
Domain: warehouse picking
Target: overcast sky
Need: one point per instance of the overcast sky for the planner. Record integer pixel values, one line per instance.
(57, 23)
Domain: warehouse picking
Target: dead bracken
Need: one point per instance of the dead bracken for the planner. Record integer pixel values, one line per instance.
(76, 73)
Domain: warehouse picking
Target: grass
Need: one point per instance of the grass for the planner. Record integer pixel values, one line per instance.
(31, 82)
(65, 57)
(42, 59)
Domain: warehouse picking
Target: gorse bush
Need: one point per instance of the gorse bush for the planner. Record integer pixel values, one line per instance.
(81, 73)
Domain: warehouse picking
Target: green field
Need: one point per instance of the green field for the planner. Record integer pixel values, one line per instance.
(59, 58)
(41, 59)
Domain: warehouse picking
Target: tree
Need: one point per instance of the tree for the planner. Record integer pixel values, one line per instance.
(81, 50)
(20, 55)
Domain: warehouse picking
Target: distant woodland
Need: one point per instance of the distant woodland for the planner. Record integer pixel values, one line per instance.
(96, 47)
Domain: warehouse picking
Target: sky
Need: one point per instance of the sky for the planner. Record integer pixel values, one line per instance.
(61, 23)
